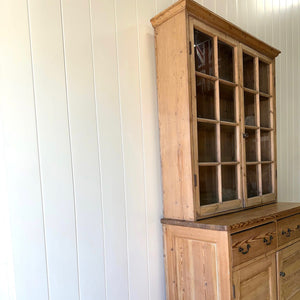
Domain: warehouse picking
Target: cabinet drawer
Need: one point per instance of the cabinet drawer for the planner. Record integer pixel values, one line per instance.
(288, 229)
(251, 243)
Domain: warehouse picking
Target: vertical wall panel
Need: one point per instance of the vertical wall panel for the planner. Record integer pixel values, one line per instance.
(268, 22)
(296, 48)
(289, 98)
(153, 188)
(242, 14)
(110, 144)
(7, 278)
(233, 11)
(127, 47)
(222, 8)
(252, 13)
(283, 169)
(83, 131)
(54, 142)
(261, 19)
(210, 4)
(20, 146)
(162, 4)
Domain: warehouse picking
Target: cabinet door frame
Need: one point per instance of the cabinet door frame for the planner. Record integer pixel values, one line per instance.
(235, 203)
(266, 264)
(241, 165)
(268, 197)
(280, 257)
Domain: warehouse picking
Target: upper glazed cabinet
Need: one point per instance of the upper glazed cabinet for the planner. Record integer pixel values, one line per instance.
(216, 92)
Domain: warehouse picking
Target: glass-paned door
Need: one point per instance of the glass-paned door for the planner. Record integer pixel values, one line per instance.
(259, 127)
(216, 119)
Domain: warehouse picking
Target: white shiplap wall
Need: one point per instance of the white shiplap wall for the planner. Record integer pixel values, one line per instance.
(80, 181)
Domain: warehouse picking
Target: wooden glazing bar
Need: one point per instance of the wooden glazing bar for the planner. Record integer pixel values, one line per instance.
(250, 91)
(218, 143)
(264, 94)
(208, 164)
(216, 66)
(219, 174)
(203, 120)
(238, 120)
(225, 82)
(259, 177)
(258, 137)
(251, 127)
(266, 129)
(228, 123)
(206, 76)
(242, 122)
(229, 163)
(217, 94)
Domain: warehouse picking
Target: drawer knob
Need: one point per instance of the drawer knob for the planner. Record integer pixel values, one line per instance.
(287, 233)
(268, 242)
(298, 227)
(282, 274)
(243, 251)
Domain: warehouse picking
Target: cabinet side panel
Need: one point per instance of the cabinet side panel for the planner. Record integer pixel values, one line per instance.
(196, 269)
(197, 264)
(174, 117)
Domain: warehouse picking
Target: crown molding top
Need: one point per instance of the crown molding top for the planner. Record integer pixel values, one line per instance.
(208, 17)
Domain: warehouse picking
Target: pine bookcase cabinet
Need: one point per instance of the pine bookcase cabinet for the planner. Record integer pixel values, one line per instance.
(225, 235)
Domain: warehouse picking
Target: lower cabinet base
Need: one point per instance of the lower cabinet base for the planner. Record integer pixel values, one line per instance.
(199, 264)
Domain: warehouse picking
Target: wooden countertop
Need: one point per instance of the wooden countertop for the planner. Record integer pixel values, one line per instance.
(245, 219)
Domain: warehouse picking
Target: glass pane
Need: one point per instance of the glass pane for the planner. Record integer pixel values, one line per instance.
(227, 103)
(264, 112)
(266, 178)
(205, 98)
(251, 150)
(264, 79)
(249, 108)
(265, 141)
(204, 61)
(248, 71)
(229, 183)
(228, 144)
(207, 142)
(208, 185)
(225, 61)
(252, 188)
